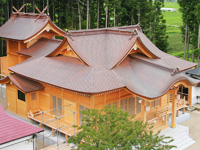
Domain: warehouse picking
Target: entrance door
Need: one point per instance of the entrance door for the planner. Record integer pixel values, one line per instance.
(57, 106)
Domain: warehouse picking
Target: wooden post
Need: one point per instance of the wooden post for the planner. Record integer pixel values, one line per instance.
(173, 120)
(190, 95)
(177, 114)
(166, 118)
(144, 116)
(66, 137)
(40, 125)
(183, 110)
(53, 131)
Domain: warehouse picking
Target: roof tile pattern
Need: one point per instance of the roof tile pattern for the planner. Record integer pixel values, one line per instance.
(12, 129)
(22, 27)
(102, 49)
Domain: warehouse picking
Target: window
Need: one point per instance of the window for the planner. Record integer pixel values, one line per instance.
(81, 115)
(21, 95)
(57, 106)
(131, 106)
(123, 105)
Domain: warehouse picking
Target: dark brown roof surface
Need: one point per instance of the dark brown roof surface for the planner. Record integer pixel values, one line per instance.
(23, 26)
(102, 49)
(25, 84)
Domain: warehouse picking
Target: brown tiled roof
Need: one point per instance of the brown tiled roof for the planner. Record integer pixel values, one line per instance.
(42, 48)
(25, 84)
(24, 26)
(102, 49)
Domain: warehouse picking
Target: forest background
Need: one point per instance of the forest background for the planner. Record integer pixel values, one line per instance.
(173, 32)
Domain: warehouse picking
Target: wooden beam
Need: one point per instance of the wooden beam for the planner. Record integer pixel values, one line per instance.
(190, 95)
(144, 116)
(173, 119)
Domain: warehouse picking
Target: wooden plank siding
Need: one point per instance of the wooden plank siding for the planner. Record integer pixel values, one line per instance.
(4, 66)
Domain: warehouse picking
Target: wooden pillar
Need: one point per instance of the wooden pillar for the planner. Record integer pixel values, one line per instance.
(40, 125)
(144, 116)
(173, 118)
(177, 114)
(53, 132)
(66, 137)
(166, 118)
(183, 110)
(190, 95)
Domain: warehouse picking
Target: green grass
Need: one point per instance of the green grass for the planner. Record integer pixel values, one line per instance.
(171, 5)
(174, 33)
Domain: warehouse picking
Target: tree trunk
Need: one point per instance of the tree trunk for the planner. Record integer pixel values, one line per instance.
(188, 43)
(185, 42)
(88, 13)
(97, 13)
(198, 61)
(72, 17)
(53, 12)
(8, 14)
(199, 37)
(114, 17)
(43, 4)
(106, 14)
(79, 15)
(33, 6)
(48, 7)
(192, 57)
(26, 6)
(138, 15)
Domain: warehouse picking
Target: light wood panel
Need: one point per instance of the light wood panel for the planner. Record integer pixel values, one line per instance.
(11, 94)
(44, 101)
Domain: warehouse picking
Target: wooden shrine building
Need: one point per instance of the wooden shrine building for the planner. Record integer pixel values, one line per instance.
(51, 81)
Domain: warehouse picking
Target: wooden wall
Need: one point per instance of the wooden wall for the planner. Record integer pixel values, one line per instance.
(15, 105)
(4, 66)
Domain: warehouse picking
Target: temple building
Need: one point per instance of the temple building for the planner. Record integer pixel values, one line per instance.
(51, 80)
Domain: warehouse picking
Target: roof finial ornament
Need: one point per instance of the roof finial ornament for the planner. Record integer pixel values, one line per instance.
(67, 33)
(40, 12)
(134, 32)
(17, 12)
(175, 71)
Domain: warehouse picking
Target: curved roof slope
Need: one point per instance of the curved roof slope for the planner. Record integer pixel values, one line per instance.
(102, 49)
(12, 129)
(24, 26)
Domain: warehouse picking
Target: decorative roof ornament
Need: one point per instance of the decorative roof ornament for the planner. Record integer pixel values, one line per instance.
(175, 71)
(40, 12)
(17, 12)
(133, 33)
(67, 33)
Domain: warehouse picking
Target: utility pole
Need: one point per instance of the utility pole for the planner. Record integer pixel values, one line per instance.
(97, 13)
(47, 7)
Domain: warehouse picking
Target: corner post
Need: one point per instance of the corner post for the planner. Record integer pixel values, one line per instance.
(173, 119)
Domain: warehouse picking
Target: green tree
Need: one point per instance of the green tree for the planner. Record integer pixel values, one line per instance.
(111, 128)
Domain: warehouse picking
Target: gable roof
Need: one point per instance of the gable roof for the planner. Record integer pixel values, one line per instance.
(25, 26)
(110, 66)
(12, 129)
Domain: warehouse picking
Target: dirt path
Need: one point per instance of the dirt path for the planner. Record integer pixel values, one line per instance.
(194, 124)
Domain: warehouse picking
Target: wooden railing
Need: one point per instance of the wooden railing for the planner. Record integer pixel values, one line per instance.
(180, 103)
(163, 111)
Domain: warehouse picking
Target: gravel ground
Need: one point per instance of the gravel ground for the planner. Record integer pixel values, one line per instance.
(194, 124)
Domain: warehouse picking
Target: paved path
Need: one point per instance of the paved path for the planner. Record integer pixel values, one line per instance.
(194, 124)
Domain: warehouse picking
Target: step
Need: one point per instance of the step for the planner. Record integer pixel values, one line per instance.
(188, 144)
